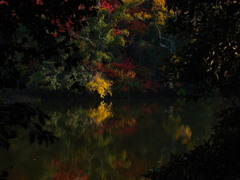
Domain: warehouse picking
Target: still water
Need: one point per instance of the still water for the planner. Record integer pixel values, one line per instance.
(104, 140)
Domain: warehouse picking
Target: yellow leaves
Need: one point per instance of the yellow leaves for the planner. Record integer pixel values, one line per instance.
(142, 16)
(159, 4)
(98, 115)
(160, 11)
(127, 17)
(102, 86)
(175, 59)
(183, 132)
(125, 32)
(132, 2)
(178, 130)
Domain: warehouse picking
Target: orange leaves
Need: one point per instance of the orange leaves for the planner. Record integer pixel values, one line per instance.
(117, 31)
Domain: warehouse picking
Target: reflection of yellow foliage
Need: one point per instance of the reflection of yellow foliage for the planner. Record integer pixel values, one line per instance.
(131, 121)
(180, 131)
(183, 132)
(102, 86)
(119, 161)
(101, 113)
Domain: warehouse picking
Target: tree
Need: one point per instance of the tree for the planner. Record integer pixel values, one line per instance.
(29, 29)
(207, 60)
(209, 56)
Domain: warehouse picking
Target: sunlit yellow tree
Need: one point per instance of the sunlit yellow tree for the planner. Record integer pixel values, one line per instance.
(99, 84)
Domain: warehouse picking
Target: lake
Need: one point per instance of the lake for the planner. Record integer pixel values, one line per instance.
(110, 140)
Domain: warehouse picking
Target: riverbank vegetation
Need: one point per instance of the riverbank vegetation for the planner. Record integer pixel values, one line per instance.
(115, 51)
(208, 60)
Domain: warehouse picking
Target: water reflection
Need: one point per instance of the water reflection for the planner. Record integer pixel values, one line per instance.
(98, 115)
(110, 140)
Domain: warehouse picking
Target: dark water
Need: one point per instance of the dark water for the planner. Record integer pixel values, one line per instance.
(117, 140)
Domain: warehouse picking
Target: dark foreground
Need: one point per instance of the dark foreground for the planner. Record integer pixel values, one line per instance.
(217, 158)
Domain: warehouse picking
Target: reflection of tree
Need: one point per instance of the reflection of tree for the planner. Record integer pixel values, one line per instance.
(178, 130)
(184, 132)
(65, 171)
(19, 118)
(123, 146)
(98, 115)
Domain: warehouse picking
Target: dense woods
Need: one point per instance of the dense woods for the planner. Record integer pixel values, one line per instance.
(107, 47)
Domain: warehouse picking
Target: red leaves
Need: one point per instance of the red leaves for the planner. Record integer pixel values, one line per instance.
(107, 6)
(39, 2)
(137, 27)
(126, 64)
(67, 171)
(123, 69)
(4, 2)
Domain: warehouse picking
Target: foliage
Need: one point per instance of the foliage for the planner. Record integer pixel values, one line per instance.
(28, 32)
(109, 32)
(47, 76)
(28, 29)
(119, 70)
(112, 148)
(100, 39)
(208, 58)
(50, 77)
(101, 85)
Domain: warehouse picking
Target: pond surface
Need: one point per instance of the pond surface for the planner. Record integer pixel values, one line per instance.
(117, 140)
